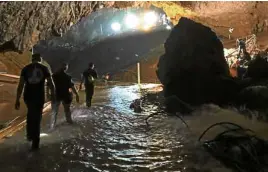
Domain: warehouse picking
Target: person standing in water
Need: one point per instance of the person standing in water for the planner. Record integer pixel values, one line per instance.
(32, 80)
(242, 47)
(88, 78)
(63, 83)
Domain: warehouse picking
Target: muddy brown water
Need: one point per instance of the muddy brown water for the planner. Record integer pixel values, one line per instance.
(110, 137)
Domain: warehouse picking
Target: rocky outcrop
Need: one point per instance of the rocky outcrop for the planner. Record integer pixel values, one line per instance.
(193, 67)
(25, 23)
(258, 68)
(245, 17)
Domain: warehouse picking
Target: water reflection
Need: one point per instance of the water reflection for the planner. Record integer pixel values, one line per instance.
(109, 137)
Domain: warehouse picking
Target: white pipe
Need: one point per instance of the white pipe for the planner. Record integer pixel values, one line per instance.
(138, 73)
(101, 29)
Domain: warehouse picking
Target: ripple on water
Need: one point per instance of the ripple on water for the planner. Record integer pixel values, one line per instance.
(113, 138)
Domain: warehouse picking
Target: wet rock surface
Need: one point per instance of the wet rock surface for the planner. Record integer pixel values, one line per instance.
(193, 66)
(194, 72)
(25, 23)
(18, 19)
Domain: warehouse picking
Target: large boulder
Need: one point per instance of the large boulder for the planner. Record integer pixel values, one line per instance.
(258, 68)
(193, 67)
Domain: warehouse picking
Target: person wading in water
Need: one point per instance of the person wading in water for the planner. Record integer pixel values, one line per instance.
(32, 79)
(88, 77)
(63, 83)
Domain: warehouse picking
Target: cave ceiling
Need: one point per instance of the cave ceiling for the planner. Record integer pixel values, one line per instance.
(25, 23)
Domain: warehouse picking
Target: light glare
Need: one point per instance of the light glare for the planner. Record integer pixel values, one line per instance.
(150, 18)
(146, 27)
(116, 26)
(168, 27)
(132, 21)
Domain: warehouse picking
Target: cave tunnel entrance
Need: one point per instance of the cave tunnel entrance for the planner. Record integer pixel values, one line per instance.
(113, 39)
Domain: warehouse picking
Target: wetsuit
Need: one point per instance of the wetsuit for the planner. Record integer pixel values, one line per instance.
(89, 76)
(34, 76)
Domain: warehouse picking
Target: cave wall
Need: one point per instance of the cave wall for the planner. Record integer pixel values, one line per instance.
(245, 17)
(27, 22)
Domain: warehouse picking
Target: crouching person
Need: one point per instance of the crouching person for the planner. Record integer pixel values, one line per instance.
(63, 83)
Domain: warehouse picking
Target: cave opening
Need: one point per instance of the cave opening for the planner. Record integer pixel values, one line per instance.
(113, 39)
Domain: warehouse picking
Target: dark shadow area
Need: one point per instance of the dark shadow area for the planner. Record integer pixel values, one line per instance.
(110, 55)
(9, 46)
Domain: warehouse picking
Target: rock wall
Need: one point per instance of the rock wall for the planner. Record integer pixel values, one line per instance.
(245, 17)
(24, 23)
(193, 67)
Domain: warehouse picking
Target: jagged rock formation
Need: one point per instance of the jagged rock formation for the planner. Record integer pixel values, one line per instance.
(25, 23)
(193, 67)
(245, 17)
(194, 72)
(257, 68)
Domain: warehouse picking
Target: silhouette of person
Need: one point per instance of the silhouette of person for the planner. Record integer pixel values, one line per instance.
(88, 78)
(32, 79)
(63, 82)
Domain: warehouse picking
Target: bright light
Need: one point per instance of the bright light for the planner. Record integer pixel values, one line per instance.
(131, 21)
(116, 26)
(150, 18)
(43, 134)
(146, 27)
(168, 27)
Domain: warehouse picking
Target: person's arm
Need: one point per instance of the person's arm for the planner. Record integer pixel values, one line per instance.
(19, 92)
(51, 86)
(47, 91)
(72, 86)
(75, 92)
(82, 80)
(95, 75)
(20, 89)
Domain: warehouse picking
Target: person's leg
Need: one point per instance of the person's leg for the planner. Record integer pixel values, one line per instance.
(37, 117)
(54, 114)
(29, 120)
(88, 95)
(67, 111)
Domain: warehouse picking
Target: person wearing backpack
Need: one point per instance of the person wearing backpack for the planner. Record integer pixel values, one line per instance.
(88, 78)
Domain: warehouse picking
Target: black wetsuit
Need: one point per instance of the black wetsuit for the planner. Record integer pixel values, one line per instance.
(34, 96)
(88, 75)
(63, 82)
